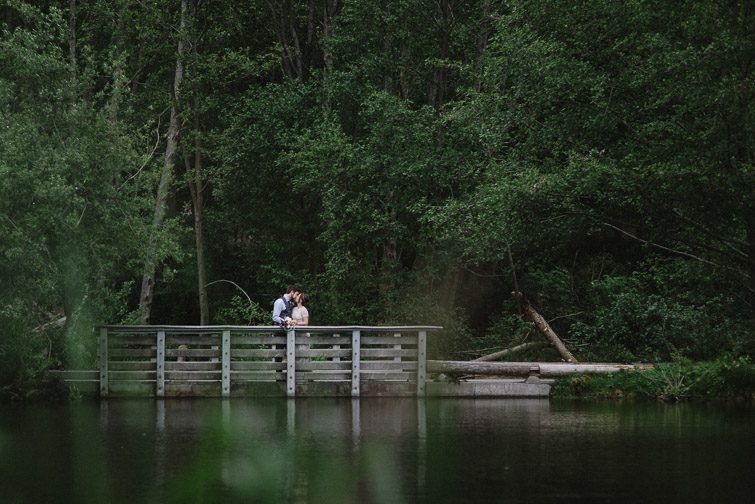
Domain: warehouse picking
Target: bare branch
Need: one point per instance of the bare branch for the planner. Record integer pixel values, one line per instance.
(251, 303)
(667, 249)
(149, 157)
(727, 241)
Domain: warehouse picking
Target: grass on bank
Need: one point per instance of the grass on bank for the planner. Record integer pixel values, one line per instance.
(725, 378)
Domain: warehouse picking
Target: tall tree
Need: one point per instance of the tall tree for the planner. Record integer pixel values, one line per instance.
(166, 173)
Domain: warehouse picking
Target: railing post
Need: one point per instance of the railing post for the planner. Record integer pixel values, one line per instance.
(160, 364)
(291, 363)
(355, 364)
(336, 347)
(226, 358)
(421, 362)
(104, 389)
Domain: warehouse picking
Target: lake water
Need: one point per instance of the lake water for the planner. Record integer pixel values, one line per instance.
(376, 450)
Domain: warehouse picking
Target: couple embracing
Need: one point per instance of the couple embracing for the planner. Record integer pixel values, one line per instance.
(290, 309)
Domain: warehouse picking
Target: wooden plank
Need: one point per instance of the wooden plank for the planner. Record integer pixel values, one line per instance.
(389, 376)
(258, 340)
(132, 339)
(355, 342)
(259, 373)
(387, 352)
(368, 329)
(192, 352)
(131, 365)
(421, 362)
(132, 388)
(324, 376)
(388, 365)
(323, 339)
(134, 375)
(403, 339)
(104, 389)
(192, 366)
(187, 329)
(324, 352)
(193, 339)
(291, 363)
(261, 329)
(160, 390)
(226, 361)
(323, 366)
(132, 352)
(193, 375)
(259, 353)
(265, 376)
(169, 365)
(257, 366)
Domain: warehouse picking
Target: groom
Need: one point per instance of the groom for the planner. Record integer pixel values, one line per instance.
(282, 310)
(283, 307)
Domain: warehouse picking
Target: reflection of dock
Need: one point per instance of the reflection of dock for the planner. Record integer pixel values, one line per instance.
(312, 361)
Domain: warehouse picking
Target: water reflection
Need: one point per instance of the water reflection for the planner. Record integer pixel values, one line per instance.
(379, 450)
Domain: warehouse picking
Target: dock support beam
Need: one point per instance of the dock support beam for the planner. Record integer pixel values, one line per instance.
(421, 362)
(290, 363)
(160, 391)
(225, 348)
(104, 389)
(355, 364)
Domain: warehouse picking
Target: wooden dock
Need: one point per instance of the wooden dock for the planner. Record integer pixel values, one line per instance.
(311, 361)
(242, 361)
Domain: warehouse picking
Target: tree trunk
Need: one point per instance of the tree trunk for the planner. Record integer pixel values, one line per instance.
(72, 47)
(163, 189)
(118, 60)
(549, 333)
(389, 259)
(509, 351)
(331, 6)
(197, 186)
(482, 43)
(387, 51)
(438, 85)
(284, 18)
(523, 369)
(750, 226)
(197, 197)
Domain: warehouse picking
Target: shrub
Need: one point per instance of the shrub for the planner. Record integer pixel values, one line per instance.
(727, 377)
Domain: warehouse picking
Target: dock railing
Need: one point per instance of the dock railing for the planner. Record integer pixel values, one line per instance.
(169, 361)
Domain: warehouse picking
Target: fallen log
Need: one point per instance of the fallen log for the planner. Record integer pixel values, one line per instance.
(549, 333)
(524, 369)
(483, 368)
(556, 369)
(508, 351)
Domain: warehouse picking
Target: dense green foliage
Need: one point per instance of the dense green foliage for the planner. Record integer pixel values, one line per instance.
(400, 160)
(732, 378)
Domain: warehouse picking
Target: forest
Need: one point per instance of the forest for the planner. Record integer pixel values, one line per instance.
(400, 161)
